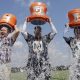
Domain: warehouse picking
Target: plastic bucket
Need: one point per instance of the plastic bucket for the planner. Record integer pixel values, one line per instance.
(8, 19)
(38, 13)
(74, 18)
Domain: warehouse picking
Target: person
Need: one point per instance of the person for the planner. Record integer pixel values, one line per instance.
(7, 39)
(74, 43)
(38, 65)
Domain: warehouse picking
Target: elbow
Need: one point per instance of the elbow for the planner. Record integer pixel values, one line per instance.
(17, 32)
(55, 32)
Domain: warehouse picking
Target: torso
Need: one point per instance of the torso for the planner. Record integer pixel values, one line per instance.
(75, 46)
(38, 48)
(5, 50)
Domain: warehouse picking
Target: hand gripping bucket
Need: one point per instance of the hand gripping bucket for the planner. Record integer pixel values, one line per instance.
(38, 13)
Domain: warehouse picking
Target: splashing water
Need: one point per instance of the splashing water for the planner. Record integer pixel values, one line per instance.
(38, 69)
(75, 66)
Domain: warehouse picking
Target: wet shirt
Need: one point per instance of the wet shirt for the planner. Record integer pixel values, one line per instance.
(38, 48)
(75, 46)
(5, 49)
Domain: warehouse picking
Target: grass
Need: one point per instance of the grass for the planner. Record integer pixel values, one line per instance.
(57, 75)
(61, 75)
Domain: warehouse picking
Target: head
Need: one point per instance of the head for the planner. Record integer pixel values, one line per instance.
(77, 32)
(37, 31)
(4, 32)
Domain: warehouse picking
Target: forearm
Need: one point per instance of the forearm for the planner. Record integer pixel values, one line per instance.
(53, 28)
(24, 29)
(65, 35)
(66, 31)
(14, 34)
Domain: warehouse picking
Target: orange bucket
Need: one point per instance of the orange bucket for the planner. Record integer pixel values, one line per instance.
(38, 13)
(8, 19)
(74, 18)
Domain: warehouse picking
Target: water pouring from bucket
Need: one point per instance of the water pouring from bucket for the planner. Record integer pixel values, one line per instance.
(74, 43)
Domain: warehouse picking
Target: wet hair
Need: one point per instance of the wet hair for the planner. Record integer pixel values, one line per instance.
(76, 30)
(38, 37)
(7, 27)
(37, 27)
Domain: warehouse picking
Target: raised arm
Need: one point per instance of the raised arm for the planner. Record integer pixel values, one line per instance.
(14, 34)
(24, 27)
(24, 30)
(67, 38)
(54, 31)
(66, 28)
(50, 35)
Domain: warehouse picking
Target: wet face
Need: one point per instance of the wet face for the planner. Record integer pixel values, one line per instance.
(3, 32)
(37, 31)
(77, 32)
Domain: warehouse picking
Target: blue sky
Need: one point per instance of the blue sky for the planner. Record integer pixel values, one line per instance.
(59, 51)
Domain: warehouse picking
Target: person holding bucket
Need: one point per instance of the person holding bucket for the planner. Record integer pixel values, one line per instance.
(8, 35)
(38, 65)
(74, 43)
